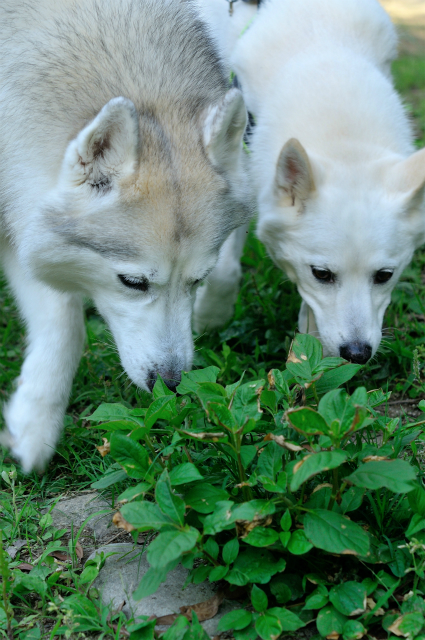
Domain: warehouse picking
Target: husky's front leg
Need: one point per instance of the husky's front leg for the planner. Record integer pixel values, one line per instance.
(215, 300)
(306, 320)
(34, 415)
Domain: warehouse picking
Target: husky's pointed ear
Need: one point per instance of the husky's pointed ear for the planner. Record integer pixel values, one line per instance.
(408, 178)
(224, 127)
(294, 176)
(105, 149)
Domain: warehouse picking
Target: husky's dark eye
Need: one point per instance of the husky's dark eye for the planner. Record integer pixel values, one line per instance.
(140, 284)
(196, 282)
(382, 276)
(323, 275)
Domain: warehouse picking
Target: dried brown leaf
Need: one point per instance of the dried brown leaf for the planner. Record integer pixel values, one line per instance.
(271, 379)
(374, 458)
(79, 551)
(292, 357)
(394, 628)
(280, 440)
(214, 437)
(105, 448)
(60, 555)
(204, 610)
(321, 486)
(121, 523)
(333, 636)
(24, 566)
(243, 527)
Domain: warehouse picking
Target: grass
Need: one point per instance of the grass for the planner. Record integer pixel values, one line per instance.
(256, 340)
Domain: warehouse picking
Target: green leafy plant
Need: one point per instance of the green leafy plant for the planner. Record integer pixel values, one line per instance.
(242, 482)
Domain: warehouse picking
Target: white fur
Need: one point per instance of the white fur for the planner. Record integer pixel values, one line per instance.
(347, 194)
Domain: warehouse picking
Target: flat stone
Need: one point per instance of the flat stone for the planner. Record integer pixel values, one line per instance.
(122, 574)
(73, 511)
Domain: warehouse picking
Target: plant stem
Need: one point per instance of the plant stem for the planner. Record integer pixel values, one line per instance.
(335, 487)
(5, 574)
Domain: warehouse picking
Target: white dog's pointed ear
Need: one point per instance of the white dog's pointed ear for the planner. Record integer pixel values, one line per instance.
(105, 149)
(294, 176)
(224, 127)
(408, 177)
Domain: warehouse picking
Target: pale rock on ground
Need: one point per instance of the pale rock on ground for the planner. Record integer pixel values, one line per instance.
(76, 509)
(122, 574)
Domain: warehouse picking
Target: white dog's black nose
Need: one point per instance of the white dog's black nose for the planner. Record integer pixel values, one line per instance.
(171, 378)
(358, 352)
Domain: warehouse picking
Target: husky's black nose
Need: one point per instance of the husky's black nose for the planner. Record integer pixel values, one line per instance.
(358, 352)
(171, 378)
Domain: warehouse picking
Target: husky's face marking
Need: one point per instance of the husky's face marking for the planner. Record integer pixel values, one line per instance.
(139, 247)
(344, 246)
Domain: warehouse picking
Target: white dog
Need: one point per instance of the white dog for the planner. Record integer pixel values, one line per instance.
(121, 174)
(340, 189)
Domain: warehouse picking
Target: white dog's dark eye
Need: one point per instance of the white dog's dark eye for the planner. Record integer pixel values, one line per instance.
(324, 275)
(141, 284)
(382, 276)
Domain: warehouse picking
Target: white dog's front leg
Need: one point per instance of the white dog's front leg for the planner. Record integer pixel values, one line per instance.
(56, 333)
(215, 300)
(306, 320)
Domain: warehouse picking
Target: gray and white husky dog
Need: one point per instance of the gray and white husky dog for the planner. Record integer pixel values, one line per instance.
(121, 175)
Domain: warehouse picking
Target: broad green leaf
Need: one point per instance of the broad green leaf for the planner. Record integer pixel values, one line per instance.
(158, 409)
(261, 537)
(268, 626)
(171, 504)
(330, 621)
(280, 589)
(211, 547)
(298, 543)
(160, 389)
(288, 620)
(305, 355)
(353, 630)
(204, 497)
(286, 520)
(169, 546)
(192, 379)
(220, 519)
(316, 463)
(417, 498)
(337, 405)
(222, 415)
(130, 455)
(134, 492)
(109, 412)
(268, 399)
(307, 421)
(270, 461)
(218, 573)
(352, 499)
(247, 453)
(119, 425)
(245, 404)
(318, 599)
(183, 473)
(238, 619)
(259, 599)
(89, 574)
(110, 478)
(397, 475)
(253, 510)
(417, 524)
(255, 565)
(284, 538)
(145, 515)
(349, 598)
(411, 624)
(334, 533)
(329, 363)
(230, 551)
(336, 377)
(150, 582)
